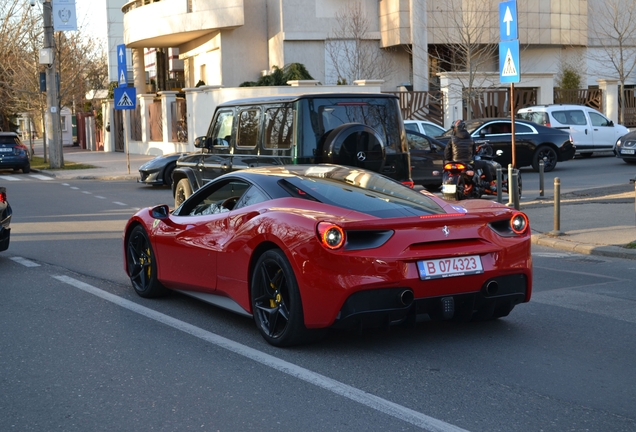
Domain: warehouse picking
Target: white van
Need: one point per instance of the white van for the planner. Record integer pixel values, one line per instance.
(590, 130)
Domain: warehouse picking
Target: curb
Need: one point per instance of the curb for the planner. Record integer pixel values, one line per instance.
(87, 177)
(582, 248)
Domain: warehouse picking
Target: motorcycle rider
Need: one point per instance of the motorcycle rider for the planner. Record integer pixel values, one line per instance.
(461, 148)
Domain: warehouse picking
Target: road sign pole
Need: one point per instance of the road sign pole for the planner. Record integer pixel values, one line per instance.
(512, 123)
(126, 143)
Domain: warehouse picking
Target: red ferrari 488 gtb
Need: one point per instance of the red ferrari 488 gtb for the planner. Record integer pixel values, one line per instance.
(306, 247)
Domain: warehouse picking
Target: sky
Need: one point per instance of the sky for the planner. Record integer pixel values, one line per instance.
(91, 15)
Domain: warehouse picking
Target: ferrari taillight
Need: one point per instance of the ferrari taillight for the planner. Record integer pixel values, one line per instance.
(331, 235)
(454, 166)
(3, 197)
(519, 223)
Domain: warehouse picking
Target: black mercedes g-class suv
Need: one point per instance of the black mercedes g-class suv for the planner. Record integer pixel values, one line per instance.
(357, 129)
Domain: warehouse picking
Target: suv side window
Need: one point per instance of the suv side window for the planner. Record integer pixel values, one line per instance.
(279, 127)
(221, 130)
(598, 120)
(248, 127)
(573, 117)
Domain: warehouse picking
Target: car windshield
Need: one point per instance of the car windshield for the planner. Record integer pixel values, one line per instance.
(361, 191)
(325, 114)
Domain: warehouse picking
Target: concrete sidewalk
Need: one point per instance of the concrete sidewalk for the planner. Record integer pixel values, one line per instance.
(108, 165)
(595, 221)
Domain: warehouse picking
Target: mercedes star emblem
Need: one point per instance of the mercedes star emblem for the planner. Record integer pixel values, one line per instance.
(361, 156)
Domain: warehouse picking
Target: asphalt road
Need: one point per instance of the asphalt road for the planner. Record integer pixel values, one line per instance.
(80, 351)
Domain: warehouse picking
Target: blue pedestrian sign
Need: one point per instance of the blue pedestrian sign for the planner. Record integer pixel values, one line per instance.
(122, 69)
(508, 20)
(125, 98)
(509, 62)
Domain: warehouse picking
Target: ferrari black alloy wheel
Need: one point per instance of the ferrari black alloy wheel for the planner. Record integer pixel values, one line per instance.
(276, 300)
(141, 264)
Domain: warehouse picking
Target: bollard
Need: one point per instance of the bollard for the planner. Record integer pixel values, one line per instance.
(499, 183)
(633, 181)
(541, 184)
(515, 188)
(557, 208)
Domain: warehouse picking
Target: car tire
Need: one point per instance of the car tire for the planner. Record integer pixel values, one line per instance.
(142, 267)
(549, 156)
(167, 174)
(182, 192)
(276, 302)
(26, 169)
(630, 161)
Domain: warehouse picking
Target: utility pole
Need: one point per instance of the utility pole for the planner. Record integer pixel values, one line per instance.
(56, 159)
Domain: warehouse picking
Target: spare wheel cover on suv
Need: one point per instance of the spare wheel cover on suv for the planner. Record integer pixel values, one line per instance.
(354, 144)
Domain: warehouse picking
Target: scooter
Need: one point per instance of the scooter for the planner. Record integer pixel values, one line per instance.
(461, 180)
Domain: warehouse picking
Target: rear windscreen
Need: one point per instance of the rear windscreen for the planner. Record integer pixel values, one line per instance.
(373, 195)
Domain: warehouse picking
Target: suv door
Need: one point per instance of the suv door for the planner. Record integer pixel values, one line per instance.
(248, 134)
(576, 122)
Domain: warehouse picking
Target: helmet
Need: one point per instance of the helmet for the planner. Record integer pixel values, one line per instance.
(459, 125)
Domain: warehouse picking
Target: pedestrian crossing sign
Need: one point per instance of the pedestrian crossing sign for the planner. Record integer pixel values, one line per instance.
(509, 62)
(125, 98)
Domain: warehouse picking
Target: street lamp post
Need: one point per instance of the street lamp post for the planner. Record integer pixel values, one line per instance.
(56, 158)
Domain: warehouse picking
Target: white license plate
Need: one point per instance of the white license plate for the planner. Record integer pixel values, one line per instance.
(6, 150)
(450, 267)
(449, 188)
(626, 151)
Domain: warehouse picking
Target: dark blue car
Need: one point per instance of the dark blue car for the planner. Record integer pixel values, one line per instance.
(13, 154)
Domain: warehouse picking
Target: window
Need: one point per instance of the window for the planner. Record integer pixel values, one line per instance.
(418, 142)
(63, 122)
(247, 133)
(598, 120)
(217, 199)
(575, 117)
(279, 127)
(221, 132)
(522, 129)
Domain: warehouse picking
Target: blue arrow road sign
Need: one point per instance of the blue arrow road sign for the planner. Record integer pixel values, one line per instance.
(122, 69)
(125, 98)
(509, 62)
(508, 20)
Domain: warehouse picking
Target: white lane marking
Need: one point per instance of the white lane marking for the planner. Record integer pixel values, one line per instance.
(87, 192)
(119, 203)
(25, 262)
(10, 178)
(41, 177)
(387, 407)
(65, 184)
(74, 188)
(598, 304)
(100, 197)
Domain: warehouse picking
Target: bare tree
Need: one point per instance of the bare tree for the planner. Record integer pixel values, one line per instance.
(463, 38)
(351, 51)
(613, 32)
(18, 23)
